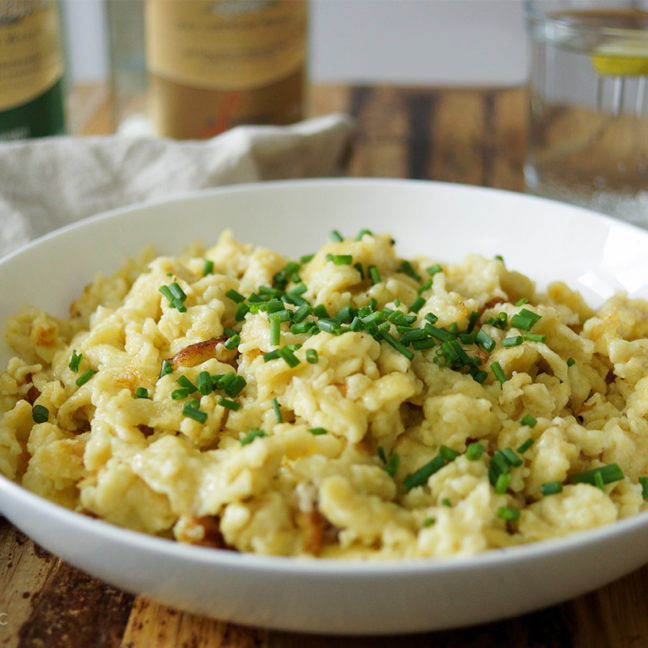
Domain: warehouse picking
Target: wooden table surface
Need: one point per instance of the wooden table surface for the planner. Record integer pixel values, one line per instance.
(474, 136)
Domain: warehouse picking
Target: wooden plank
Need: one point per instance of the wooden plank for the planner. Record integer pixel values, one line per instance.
(152, 624)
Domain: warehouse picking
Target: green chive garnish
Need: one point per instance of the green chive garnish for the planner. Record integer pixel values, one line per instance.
(317, 431)
(606, 474)
(141, 392)
(180, 394)
(205, 385)
(340, 259)
(525, 446)
(417, 304)
(421, 476)
(551, 488)
(484, 340)
(311, 356)
(534, 337)
(392, 464)
(229, 404)
(498, 372)
(194, 413)
(529, 420)
(644, 486)
(571, 362)
(514, 340)
(374, 274)
(166, 368)
(508, 513)
(502, 483)
(289, 357)
(336, 236)
(235, 296)
(251, 435)
(275, 331)
(208, 268)
(75, 361)
(474, 451)
(40, 414)
(434, 269)
(277, 411)
(525, 319)
(84, 377)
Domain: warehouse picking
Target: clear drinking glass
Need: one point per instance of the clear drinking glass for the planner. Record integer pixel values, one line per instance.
(588, 83)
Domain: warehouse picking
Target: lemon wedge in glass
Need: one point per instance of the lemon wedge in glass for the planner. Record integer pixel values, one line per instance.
(622, 58)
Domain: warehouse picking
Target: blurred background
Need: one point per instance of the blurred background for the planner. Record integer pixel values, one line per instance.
(373, 41)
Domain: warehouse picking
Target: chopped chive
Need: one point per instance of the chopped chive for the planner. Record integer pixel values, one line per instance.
(606, 474)
(277, 411)
(302, 313)
(242, 309)
(434, 269)
(84, 377)
(508, 513)
(183, 381)
(141, 392)
(571, 362)
(177, 292)
(345, 314)
(75, 361)
(374, 274)
(194, 413)
(522, 301)
(644, 486)
(275, 331)
(271, 355)
(474, 451)
(598, 481)
(208, 268)
(499, 257)
(289, 357)
(336, 236)
(232, 342)
(311, 356)
(392, 464)
(438, 333)
(318, 431)
(416, 305)
(229, 404)
(498, 372)
(423, 287)
(551, 488)
(525, 446)
(428, 522)
(40, 414)
(302, 327)
(178, 305)
(194, 403)
(478, 375)
(234, 386)
(361, 233)
(340, 259)
(529, 419)
(408, 269)
(484, 340)
(251, 435)
(514, 340)
(320, 311)
(446, 502)
(166, 292)
(511, 457)
(413, 334)
(166, 368)
(180, 394)
(306, 258)
(235, 296)
(432, 318)
(329, 325)
(204, 382)
(420, 476)
(525, 319)
(502, 483)
(534, 337)
(448, 453)
(358, 267)
(401, 348)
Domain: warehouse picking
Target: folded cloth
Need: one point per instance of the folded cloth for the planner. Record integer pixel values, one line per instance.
(48, 183)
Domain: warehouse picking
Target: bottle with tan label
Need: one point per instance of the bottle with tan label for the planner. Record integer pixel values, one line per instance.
(31, 69)
(214, 64)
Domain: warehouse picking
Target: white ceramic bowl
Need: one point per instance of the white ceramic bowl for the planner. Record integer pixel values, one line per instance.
(544, 239)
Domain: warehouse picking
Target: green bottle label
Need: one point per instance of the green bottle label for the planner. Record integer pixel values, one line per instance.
(31, 70)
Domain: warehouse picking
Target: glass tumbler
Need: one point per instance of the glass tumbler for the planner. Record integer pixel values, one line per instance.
(588, 86)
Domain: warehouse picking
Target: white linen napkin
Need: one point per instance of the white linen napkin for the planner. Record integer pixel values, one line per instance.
(48, 183)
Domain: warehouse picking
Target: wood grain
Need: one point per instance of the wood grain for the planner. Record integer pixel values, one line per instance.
(459, 135)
